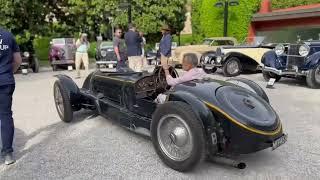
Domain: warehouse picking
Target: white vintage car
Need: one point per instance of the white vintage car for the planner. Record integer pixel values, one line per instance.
(209, 45)
(235, 59)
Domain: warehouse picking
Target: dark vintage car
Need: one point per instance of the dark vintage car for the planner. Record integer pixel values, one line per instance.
(199, 118)
(62, 52)
(105, 55)
(235, 59)
(294, 60)
(29, 58)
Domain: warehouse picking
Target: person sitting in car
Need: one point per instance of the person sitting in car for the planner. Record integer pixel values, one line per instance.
(189, 64)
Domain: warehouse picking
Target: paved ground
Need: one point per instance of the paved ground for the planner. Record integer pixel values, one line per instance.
(95, 148)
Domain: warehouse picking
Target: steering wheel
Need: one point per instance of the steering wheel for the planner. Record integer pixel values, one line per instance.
(161, 78)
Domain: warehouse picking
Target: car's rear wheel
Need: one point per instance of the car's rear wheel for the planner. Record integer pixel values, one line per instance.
(178, 136)
(251, 86)
(62, 102)
(268, 75)
(313, 78)
(35, 65)
(232, 67)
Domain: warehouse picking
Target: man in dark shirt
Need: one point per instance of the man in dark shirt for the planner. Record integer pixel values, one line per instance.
(133, 42)
(10, 60)
(119, 49)
(165, 45)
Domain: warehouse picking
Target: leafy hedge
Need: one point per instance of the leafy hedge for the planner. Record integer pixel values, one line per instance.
(278, 4)
(208, 19)
(185, 39)
(41, 46)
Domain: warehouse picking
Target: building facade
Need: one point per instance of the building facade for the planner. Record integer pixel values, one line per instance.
(286, 25)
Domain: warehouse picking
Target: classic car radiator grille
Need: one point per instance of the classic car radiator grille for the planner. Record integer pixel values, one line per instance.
(111, 56)
(294, 58)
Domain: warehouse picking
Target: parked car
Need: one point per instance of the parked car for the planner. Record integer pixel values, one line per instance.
(199, 117)
(62, 52)
(294, 60)
(235, 59)
(29, 58)
(209, 45)
(105, 55)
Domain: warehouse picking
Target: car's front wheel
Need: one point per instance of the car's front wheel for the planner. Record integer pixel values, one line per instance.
(209, 71)
(232, 67)
(268, 75)
(62, 102)
(313, 78)
(35, 65)
(178, 136)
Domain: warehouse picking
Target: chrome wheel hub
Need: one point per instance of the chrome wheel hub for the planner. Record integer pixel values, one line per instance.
(179, 136)
(174, 137)
(233, 67)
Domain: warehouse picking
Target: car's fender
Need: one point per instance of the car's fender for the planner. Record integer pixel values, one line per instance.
(248, 55)
(271, 59)
(71, 88)
(313, 60)
(197, 106)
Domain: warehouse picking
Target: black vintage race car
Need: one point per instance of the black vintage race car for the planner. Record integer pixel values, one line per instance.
(199, 118)
(294, 60)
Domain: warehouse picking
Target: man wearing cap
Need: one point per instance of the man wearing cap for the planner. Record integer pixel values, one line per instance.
(133, 42)
(165, 45)
(10, 60)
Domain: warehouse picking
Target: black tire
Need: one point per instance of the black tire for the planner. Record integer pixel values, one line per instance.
(250, 85)
(209, 71)
(66, 114)
(229, 62)
(268, 75)
(35, 65)
(54, 67)
(313, 78)
(185, 112)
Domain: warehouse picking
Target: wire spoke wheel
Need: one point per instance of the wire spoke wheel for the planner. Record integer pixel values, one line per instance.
(175, 137)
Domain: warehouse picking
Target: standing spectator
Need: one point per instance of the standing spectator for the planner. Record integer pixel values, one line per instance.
(143, 55)
(82, 53)
(133, 42)
(119, 49)
(10, 60)
(165, 45)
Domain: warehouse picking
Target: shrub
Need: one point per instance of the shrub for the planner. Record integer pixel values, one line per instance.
(92, 49)
(211, 18)
(279, 4)
(41, 46)
(185, 39)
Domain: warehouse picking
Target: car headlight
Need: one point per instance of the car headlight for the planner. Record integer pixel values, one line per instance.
(304, 50)
(279, 49)
(26, 54)
(206, 59)
(218, 59)
(103, 53)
